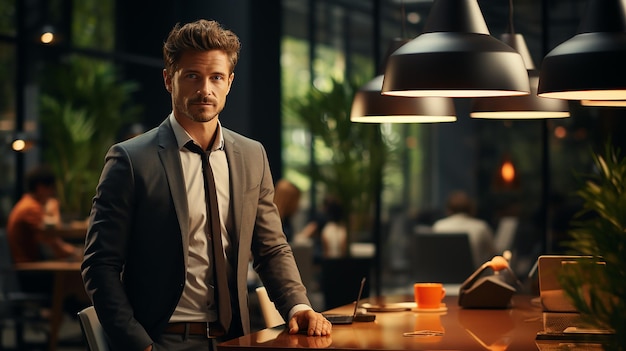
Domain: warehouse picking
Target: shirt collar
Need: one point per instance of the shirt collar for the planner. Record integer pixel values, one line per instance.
(182, 137)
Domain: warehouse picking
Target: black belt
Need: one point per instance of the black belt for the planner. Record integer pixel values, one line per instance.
(207, 329)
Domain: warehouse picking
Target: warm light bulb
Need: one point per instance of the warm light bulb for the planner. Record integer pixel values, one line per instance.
(47, 37)
(560, 132)
(507, 171)
(18, 145)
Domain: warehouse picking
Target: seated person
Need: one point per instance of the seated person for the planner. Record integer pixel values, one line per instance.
(287, 200)
(334, 233)
(461, 219)
(29, 243)
(328, 232)
(25, 226)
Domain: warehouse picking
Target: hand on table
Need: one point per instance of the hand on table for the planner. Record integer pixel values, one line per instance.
(310, 321)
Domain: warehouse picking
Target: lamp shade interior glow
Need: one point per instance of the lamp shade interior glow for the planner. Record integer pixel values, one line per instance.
(604, 103)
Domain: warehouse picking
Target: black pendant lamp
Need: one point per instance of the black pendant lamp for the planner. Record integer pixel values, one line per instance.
(528, 106)
(370, 106)
(455, 57)
(590, 65)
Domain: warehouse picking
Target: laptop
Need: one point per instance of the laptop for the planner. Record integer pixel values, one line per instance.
(551, 293)
(346, 318)
(561, 319)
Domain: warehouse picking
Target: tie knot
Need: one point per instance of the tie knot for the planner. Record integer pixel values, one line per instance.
(191, 146)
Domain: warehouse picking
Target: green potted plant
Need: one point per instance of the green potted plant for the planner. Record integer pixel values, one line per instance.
(82, 112)
(598, 291)
(355, 152)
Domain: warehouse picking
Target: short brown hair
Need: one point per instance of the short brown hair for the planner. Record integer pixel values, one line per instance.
(460, 202)
(201, 35)
(40, 175)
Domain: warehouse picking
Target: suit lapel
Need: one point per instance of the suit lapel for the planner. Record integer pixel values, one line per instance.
(170, 159)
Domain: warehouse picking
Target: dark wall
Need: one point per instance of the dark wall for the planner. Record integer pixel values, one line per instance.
(253, 105)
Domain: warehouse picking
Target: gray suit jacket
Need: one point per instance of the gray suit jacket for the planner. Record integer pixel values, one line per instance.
(136, 245)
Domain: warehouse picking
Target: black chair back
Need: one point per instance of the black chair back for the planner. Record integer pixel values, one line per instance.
(441, 257)
(341, 279)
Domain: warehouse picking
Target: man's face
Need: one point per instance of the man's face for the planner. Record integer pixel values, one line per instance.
(45, 191)
(200, 84)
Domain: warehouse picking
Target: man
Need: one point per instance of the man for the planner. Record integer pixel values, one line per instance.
(461, 218)
(28, 242)
(148, 265)
(287, 199)
(27, 219)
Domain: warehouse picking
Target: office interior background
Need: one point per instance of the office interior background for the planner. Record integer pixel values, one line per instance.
(99, 81)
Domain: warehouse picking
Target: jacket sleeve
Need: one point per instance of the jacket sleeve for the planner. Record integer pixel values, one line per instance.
(273, 257)
(105, 250)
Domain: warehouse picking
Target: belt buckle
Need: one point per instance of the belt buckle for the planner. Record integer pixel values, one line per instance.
(208, 332)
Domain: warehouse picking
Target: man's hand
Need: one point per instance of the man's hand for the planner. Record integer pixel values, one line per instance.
(310, 321)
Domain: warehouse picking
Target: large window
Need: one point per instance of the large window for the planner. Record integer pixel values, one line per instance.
(334, 39)
(33, 66)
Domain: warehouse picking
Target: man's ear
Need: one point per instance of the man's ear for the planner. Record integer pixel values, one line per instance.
(230, 81)
(167, 80)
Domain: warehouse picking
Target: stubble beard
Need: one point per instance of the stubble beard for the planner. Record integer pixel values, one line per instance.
(201, 117)
(200, 113)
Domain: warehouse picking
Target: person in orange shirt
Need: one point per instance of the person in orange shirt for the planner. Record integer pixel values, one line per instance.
(26, 223)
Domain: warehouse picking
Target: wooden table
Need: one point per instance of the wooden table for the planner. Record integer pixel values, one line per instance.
(69, 231)
(66, 274)
(511, 329)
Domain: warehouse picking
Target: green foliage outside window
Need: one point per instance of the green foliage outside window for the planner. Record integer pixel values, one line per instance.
(84, 106)
(349, 156)
(81, 117)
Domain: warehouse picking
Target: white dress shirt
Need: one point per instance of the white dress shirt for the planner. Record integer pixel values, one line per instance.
(196, 303)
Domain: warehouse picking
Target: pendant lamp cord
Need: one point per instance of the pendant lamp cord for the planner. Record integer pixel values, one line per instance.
(510, 29)
(403, 22)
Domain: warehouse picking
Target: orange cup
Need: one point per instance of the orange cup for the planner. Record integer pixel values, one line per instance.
(429, 295)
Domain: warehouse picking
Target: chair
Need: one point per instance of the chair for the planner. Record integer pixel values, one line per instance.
(505, 234)
(303, 253)
(18, 308)
(441, 257)
(271, 316)
(92, 330)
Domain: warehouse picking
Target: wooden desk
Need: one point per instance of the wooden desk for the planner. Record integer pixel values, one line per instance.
(66, 275)
(68, 231)
(509, 329)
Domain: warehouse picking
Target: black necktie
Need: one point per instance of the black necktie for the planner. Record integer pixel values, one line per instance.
(219, 263)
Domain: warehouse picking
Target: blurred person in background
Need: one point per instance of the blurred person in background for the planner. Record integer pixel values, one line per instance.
(461, 218)
(37, 209)
(29, 217)
(287, 200)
